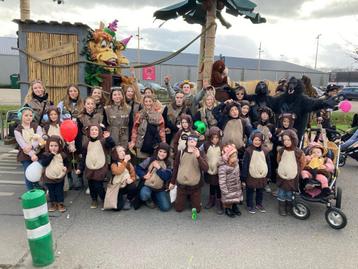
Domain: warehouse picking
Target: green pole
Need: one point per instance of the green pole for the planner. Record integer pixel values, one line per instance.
(38, 227)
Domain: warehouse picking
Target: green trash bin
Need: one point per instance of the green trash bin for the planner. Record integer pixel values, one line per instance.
(14, 79)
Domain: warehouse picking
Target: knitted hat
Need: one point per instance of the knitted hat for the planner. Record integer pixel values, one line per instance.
(228, 150)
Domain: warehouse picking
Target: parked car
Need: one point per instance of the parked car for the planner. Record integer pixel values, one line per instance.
(155, 86)
(351, 93)
(319, 91)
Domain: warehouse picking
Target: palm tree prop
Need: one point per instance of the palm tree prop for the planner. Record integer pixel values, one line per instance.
(204, 12)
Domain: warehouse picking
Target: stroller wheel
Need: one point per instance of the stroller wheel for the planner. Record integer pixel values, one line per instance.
(342, 160)
(301, 210)
(338, 197)
(336, 218)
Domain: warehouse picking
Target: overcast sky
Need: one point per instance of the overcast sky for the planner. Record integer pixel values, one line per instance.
(289, 34)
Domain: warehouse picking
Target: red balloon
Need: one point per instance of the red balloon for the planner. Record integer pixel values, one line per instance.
(68, 130)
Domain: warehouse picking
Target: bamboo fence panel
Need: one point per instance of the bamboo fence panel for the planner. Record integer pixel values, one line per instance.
(56, 79)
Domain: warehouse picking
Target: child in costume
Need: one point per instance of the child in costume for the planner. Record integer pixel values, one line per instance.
(229, 180)
(317, 167)
(255, 172)
(234, 128)
(291, 161)
(155, 171)
(212, 150)
(93, 162)
(180, 138)
(188, 165)
(88, 116)
(124, 174)
(28, 136)
(55, 163)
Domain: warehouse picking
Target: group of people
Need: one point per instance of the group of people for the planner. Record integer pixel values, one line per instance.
(143, 149)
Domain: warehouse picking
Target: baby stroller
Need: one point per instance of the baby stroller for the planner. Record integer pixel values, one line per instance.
(334, 216)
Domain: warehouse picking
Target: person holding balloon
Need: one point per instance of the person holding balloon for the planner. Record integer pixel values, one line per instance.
(55, 165)
(69, 131)
(28, 136)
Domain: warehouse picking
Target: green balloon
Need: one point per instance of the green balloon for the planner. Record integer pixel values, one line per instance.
(200, 127)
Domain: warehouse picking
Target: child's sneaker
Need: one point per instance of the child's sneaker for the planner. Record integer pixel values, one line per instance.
(260, 208)
(268, 188)
(251, 210)
(149, 203)
(53, 207)
(94, 204)
(61, 208)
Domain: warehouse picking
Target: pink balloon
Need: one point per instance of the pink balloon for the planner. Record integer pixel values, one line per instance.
(345, 106)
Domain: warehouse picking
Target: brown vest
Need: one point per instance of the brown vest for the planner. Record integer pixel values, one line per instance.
(234, 133)
(118, 119)
(188, 170)
(155, 181)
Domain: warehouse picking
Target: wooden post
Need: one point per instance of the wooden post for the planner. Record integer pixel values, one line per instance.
(199, 83)
(25, 9)
(209, 41)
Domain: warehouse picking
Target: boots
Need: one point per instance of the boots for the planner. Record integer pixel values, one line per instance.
(219, 207)
(229, 213)
(289, 206)
(236, 209)
(282, 210)
(211, 202)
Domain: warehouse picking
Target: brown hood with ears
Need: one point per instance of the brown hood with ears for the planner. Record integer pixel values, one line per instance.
(290, 116)
(100, 133)
(293, 136)
(57, 139)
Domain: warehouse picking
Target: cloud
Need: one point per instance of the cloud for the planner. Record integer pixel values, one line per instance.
(337, 9)
(280, 8)
(334, 55)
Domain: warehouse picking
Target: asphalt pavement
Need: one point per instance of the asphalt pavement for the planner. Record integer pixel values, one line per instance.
(91, 238)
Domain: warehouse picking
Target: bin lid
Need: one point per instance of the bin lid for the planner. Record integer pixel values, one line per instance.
(33, 198)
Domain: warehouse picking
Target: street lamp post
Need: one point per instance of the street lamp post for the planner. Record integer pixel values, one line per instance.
(259, 63)
(139, 37)
(315, 62)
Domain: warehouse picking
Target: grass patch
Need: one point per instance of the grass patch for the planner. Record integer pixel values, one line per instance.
(6, 108)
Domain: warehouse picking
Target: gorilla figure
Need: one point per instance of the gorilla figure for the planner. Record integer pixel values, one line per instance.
(295, 101)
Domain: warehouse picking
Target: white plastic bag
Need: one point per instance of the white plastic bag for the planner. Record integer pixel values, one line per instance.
(173, 194)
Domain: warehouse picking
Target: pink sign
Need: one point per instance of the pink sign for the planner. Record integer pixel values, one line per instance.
(148, 73)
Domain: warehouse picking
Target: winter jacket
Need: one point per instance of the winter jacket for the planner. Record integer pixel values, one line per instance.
(230, 184)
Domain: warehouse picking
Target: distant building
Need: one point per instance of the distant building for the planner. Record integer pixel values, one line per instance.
(344, 78)
(183, 66)
(9, 59)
